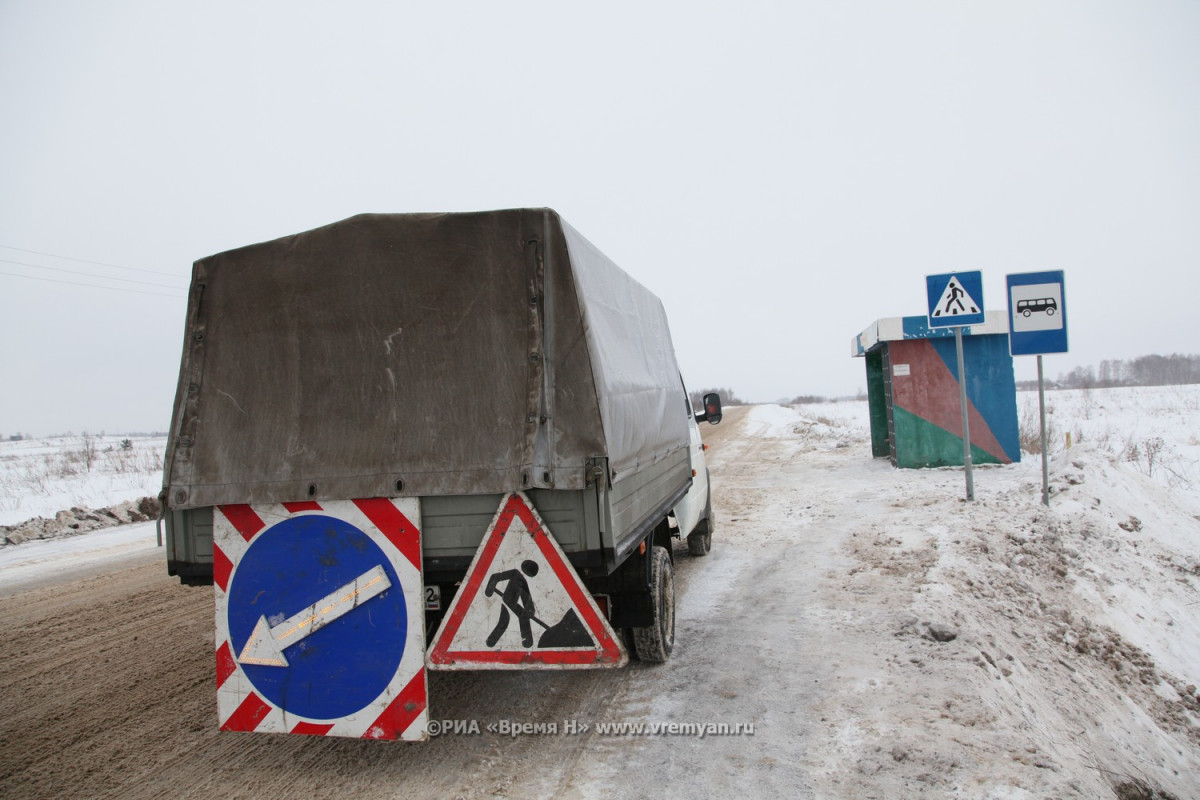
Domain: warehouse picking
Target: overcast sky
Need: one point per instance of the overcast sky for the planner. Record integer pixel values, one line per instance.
(781, 174)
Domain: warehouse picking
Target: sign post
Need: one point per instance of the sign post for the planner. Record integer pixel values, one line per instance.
(962, 396)
(1037, 324)
(955, 300)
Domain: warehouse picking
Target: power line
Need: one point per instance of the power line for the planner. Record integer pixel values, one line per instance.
(87, 274)
(87, 261)
(90, 285)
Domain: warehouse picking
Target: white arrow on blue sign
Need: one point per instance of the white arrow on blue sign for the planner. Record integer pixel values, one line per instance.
(320, 627)
(955, 298)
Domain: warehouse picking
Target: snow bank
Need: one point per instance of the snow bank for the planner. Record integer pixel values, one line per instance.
(1057, 648)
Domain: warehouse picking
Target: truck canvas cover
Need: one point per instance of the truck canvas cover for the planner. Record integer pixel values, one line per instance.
(418, 354)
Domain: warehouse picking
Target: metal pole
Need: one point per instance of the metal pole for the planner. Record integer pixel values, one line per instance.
(1045, 455)
(962, 393)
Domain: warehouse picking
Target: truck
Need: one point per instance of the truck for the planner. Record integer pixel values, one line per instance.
(411, 442)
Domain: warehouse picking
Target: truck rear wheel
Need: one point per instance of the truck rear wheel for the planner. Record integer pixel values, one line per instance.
(700, 540)
(655, 641)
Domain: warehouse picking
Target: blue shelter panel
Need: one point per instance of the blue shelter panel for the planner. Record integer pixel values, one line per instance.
(991, 385)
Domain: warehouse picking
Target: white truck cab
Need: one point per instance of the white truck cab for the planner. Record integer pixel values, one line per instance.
(694, 514)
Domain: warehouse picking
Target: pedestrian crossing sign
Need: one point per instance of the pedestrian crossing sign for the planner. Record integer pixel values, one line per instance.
(955, 299)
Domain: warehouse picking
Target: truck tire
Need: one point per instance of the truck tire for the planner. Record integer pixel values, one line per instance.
(654, 642)
(700, 540)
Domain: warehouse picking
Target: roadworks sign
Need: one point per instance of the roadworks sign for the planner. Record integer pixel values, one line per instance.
(522, 605)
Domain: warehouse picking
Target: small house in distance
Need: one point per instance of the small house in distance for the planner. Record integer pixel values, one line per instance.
(914, 398)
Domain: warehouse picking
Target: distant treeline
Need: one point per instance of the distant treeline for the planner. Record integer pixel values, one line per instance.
(18, 437)
(1172, 370)
(728, 398)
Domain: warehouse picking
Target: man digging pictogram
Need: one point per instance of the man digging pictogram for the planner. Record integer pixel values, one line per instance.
(516, 599)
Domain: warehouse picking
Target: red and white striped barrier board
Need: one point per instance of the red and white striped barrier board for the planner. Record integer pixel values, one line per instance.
(320, 623)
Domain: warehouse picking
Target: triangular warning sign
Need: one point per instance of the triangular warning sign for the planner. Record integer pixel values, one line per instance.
(522, 605)
(955, 301)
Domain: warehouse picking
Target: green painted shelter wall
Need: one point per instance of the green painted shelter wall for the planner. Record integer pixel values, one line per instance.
(922, 444)
(877, 405)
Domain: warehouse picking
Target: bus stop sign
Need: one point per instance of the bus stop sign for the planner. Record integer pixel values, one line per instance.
(1037, 313)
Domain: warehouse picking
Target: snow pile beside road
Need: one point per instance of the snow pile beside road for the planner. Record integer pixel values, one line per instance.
(1001, 648)
(1076, 621)
(78, 520)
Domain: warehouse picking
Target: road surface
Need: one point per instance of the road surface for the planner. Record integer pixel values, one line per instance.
(107, 691)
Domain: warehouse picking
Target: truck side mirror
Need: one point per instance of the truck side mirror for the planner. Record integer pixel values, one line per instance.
(712, 409)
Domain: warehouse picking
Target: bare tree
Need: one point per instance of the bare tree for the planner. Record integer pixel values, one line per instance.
(728, 397)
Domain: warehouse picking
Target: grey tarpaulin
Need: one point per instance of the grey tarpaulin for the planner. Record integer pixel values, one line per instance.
(418, 354)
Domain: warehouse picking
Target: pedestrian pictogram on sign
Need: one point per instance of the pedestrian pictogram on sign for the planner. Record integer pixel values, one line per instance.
(319, 618)
(955, 299)
(522, 605)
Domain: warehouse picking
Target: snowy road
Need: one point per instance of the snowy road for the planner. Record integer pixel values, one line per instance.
(805, 622)
(116, 672)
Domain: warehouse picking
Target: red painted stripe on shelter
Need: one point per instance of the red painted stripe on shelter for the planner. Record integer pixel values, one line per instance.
(226, 665)
(401, 712)
(312, 728)
(249, 714)
(222, 567)
(304, 505)
(931, 392)
(243, 519)
(392, 523)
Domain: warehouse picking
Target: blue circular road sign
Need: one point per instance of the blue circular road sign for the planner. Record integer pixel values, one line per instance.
(333, 664)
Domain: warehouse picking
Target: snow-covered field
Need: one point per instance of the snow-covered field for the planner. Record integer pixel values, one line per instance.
(886, 638)
(1154, 429)
(40, 477)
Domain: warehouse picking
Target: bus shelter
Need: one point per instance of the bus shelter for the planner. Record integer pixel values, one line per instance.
(914, 398)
